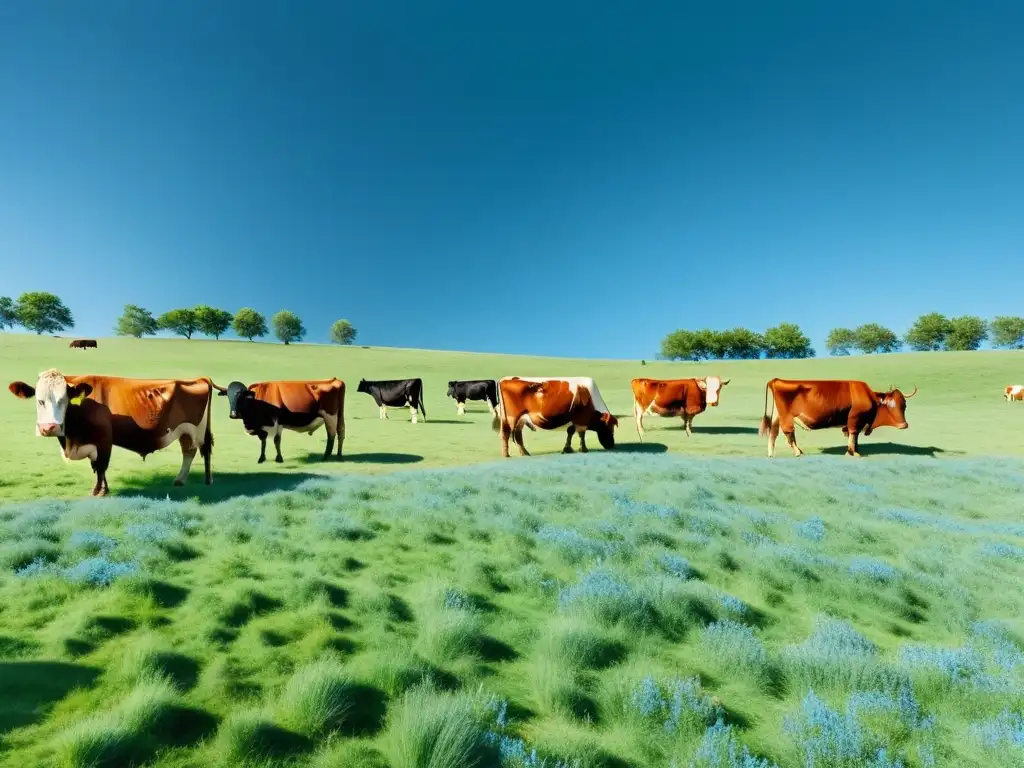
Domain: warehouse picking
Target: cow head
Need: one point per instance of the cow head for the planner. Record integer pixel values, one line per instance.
(451, 389)
(712, 387)
(892, 408)
(604, 424)
(53, 396)
(363, 386)
(238, 395)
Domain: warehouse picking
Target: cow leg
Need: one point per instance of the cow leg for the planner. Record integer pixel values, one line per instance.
(851, 444)
(517, 435)
(100, 468)
(460, 407)
(638, 417)
(568, 439)
(773, 435)
(506, 433)
(331, 425)
(383, 411)
(263, 447)
(412, 410)
(277, 444)
(206, 451)
(583, 440)
(687, 422)
(791, 440)
(188, 454)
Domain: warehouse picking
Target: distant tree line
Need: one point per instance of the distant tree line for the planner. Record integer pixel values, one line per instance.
(45, 313)
(930, 332)
(783, 341)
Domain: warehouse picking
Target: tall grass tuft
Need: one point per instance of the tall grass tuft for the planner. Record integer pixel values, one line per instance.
(734, 646)
(317, 699)
(426, 729)
(450, 625)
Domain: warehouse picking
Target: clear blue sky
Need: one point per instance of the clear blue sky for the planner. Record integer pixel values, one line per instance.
(549, 178)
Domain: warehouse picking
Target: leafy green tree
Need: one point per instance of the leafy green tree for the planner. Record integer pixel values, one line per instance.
(716, 343)
(8, 317)
(840, 341)
(210, 321)
(742, 344)
(135, 321)
(787, 341)
(287, 326)
(181, 321)
(872, 337)
(342, 332)
(43, 313)
(685, 345)
(1008, 332)
(966, 332)
(249, 324)
(928, 333)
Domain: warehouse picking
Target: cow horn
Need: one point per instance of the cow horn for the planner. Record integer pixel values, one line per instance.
(912, 393)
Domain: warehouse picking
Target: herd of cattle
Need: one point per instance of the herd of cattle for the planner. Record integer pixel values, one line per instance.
(89, 414)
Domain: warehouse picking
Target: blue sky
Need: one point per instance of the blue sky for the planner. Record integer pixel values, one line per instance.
(540, 178)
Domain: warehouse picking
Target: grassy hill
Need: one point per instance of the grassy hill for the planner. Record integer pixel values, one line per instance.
(958, 412)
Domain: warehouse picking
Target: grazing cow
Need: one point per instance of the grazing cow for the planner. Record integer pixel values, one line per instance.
(1015, 392)
(397, 393)
(139, 415)
(674, 397)
(550, 404)
(474, 389)
(301, 406)
(852, 405)
(83, 344)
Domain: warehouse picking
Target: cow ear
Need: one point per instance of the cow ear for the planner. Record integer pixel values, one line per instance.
(79, 390)
(702, 382)
(21, 389)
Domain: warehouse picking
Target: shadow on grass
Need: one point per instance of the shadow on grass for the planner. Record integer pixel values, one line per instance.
(366, 717)
(891, 449)
(29, 688)
(723, 430)
(226, 485)
(464, 422)
(373, 458)
(640, 448)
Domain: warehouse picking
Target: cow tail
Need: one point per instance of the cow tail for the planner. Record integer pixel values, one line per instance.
(208, 437)
(499, 410)
(766, 420)
(420, 398)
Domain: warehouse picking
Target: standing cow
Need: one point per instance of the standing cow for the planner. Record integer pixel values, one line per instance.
(675, 397)
(473, 389)
(852, 405)
(301, 406)
(83, 344)
(1015, 392)
(550, 404)
(139, 415)
(396, 393)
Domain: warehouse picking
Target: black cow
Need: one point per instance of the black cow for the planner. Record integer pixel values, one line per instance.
(83, 344)
(397, 393)
(474, 389)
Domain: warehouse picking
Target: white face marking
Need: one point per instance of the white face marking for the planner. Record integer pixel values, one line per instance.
(714, 387)
(51, 401)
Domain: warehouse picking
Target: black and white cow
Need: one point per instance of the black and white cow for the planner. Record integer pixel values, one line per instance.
(397, 393)
(474, 389)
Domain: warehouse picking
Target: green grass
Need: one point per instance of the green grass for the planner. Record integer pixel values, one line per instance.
(958, 412)
(670, 607)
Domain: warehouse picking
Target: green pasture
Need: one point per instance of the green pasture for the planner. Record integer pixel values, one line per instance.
(959, 410)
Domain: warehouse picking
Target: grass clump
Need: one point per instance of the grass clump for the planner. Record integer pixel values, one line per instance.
(426, 729)
(450, 625)
(249, 737)
(733, 646)
(317, 699)
(609, 600)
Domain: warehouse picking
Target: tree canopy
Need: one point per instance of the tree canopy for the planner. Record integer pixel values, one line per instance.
(287, 326)
(1008, 332)
(249, 323)
(211, 321)
(43, 312)
(342, 332)
(182, 322)
(135, 321)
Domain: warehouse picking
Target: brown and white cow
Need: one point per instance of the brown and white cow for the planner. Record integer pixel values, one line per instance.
(852, 405)
(1015, 392)
(139, 415)
(550, 403)
(301, 406)
(675, 397)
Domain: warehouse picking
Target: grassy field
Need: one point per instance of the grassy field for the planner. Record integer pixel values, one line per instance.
(959, 410)
(682, 604)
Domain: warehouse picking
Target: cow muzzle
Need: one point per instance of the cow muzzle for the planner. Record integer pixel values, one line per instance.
(714, 404)
(49, 430)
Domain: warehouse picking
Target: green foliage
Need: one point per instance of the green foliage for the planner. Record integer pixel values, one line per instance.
(841, 341)
(704, 344)
(684, 345)
(1008, 332)
(287, 326)
(874, 338)
(211, 321)
(43, 313)
(180, 321)
(135, 321)
(787, 341)
(8, 317)
(249, 324)
(342, 332)
(317, 698)
(966, 332)
(928, 333)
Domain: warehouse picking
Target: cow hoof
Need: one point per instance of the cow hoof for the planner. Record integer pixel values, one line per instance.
(567, 450)
(260, 460)
(584, 450)
(279, 460)
(178, 482)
